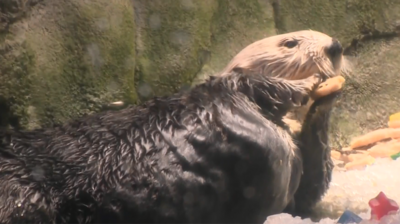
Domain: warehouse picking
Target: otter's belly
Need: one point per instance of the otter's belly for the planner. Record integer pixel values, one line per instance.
(283, 184)
(274, 182)
(285, 165)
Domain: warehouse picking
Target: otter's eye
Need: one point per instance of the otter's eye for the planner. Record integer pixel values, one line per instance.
(291, 43)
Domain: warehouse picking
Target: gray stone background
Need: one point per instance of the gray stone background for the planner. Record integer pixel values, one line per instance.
(66, 58)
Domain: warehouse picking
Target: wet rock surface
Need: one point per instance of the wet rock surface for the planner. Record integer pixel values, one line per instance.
(63, 59)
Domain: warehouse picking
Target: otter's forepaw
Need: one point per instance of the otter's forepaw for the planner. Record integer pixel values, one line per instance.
(311, 83)
(305, 87)
(328, 100)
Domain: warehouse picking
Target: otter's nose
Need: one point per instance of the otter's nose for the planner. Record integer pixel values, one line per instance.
(335, 49)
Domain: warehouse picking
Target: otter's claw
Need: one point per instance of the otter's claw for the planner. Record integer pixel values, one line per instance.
(305, 87)
(311, 83)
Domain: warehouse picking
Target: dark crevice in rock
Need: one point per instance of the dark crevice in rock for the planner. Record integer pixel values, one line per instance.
(139, 16)
(357, 43)
(279, 24)
(7, 119)
(13, 10)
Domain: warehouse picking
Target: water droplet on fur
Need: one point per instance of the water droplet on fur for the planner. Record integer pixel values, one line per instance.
(240, 167)
(38, 173)
(35, 198)
(166, 208)
(126, 165)
(189, 198)
(249, 192)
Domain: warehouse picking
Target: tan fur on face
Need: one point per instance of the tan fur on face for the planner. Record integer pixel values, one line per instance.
(270, 56)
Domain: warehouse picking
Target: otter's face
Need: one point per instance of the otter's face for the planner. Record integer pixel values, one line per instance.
(295, 55)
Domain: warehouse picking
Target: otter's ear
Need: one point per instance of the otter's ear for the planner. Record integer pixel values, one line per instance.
(244, 71)
(239, 70)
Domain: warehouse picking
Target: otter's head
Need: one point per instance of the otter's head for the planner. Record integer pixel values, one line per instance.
(295, 55)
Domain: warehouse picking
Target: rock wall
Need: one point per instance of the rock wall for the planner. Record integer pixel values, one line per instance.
(180, 41)
(65, 58)
(62, 59)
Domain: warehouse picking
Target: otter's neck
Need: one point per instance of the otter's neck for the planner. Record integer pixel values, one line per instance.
(272, 95)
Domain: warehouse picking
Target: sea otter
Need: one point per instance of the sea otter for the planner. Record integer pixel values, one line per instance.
(216, 153)
(294, 55)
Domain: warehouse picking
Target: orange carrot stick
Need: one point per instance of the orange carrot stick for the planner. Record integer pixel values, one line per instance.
(359, 164)
(385, 149)
(375, 136)
(336, 155)
(329, 86)
(355, 156)
(394, 124)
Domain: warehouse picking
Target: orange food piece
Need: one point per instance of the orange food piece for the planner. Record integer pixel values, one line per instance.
(385, 149)
(394, 117)
(394, 124)
(375, 136)
(361, 163)
(346, 149)
(355, 156)
(329, 86)
(395, 133)
(336, 155)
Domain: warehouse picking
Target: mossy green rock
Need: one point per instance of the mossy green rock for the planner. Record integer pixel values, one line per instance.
(67, 58)
(181, 41)
(171, 38)
(62, 59)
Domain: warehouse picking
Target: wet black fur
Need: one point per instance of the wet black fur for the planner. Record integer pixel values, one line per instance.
(212, 154)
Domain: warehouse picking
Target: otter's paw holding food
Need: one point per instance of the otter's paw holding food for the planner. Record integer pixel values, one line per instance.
(305, 88)
(311, 83)
(326, 103)
(329, 86)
